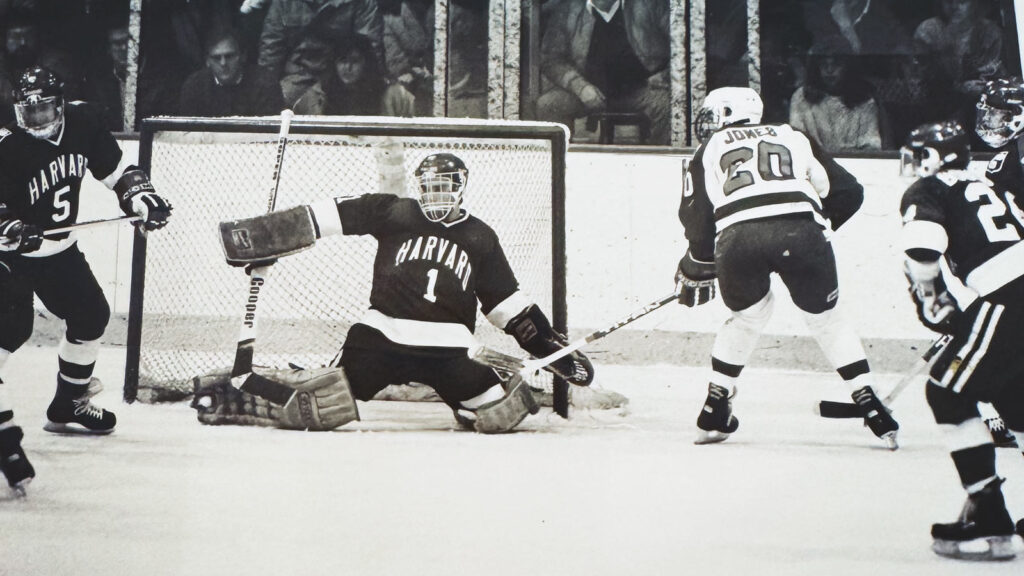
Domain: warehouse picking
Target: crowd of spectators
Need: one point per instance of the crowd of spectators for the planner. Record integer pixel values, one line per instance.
(903, 62)
(856, 74)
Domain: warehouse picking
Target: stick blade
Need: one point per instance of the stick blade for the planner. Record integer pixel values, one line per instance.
(830, 409)
(503, 363)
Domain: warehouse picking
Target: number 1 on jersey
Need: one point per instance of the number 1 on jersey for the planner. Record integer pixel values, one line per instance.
(431, 283)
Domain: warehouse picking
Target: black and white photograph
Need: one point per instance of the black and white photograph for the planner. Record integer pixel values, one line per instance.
(508, 287)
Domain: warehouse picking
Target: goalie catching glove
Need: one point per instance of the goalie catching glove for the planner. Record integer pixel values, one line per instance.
(695, 281)
(317, 399)
(533, 333)
(138, 197)
(936, 309)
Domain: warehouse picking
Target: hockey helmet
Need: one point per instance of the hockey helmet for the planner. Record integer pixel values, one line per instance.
(39, 102)
(934, 147)
(725, 107)
(442, 179)
(1000, 115)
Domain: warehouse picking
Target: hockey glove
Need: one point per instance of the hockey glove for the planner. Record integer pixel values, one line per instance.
(534, 333)
(695, 281)
(18, 237)
(936, 309)
(137, 196)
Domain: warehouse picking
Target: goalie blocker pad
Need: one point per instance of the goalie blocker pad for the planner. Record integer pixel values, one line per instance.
(268, 236)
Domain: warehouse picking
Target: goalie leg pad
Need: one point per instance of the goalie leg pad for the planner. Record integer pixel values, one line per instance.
(503, 415)
(268, 236)
(323, 398)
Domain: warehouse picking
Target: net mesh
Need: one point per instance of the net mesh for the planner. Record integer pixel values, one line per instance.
(193, 303)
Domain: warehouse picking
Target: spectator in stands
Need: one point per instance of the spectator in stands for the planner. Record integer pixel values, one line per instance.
(409, 48)
(606, 56)
(963, 49)
(468, 38)
(355, 85)
(105, 82)
(835, 106)
(23, 48)
(297, 38)
(227, 86)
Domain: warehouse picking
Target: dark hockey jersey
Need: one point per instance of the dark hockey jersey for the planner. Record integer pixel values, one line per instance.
(429, 271)
(40, 180)
(1006, 173)
(976, 226)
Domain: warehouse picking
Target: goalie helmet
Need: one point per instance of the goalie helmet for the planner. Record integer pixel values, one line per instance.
(727, 106)
(39, 102)
(1000, 114)
(442, 179)
(934, 147)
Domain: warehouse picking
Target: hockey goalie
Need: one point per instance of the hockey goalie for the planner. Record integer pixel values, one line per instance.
(435, 264)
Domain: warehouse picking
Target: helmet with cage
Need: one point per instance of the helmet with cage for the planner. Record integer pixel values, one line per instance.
(725, 107)
(39, 102)
(1000, 114)
(442, 179)
(934, 147)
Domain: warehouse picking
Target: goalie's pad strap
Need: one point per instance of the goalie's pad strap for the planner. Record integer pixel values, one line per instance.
(505, 414)
(268, 236)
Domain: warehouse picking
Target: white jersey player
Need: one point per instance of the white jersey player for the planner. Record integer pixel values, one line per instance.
(761, 199)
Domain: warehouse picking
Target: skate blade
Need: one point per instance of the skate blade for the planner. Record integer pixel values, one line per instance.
(73, 428)
(19, 488)
(710, 437)
(890, 440)
(987, 549)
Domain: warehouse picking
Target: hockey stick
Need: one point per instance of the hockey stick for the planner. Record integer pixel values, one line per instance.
(90, 224)
(830, 409)
(508, 363)
(242, 366)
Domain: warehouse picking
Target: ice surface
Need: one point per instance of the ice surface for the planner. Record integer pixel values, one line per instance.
(404, 492)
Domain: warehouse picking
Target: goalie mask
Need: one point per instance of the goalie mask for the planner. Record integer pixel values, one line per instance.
(934, 147)
(1000, 115)
(39, 103)
(442, 180)
(727, 106)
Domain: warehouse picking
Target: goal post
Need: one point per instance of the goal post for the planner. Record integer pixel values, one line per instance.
(186, 302)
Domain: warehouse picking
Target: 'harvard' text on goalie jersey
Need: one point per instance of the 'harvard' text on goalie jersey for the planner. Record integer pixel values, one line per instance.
(745, 173)
(428, 271)
(978, 227)
(40, 180)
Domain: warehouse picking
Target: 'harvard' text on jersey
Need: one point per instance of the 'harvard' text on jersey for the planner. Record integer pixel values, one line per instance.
(429, 271)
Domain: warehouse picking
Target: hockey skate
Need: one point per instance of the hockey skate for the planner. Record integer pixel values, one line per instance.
(876, 416)
(1001, 436)
(716, 421)
(68, 414)
(13, 462)
(983, 532)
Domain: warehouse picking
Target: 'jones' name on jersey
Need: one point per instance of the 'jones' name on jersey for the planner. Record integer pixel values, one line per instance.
(737, 134)
(449, 254)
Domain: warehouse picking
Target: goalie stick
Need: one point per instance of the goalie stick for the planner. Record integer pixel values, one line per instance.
(242, 366)
(508, 363)
(90, 224)
(831, 409)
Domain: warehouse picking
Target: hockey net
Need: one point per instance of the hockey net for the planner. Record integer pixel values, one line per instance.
(187, 304)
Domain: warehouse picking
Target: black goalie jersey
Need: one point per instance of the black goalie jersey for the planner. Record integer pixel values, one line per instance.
(429, 271)
(979, 229)
(40, 180)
